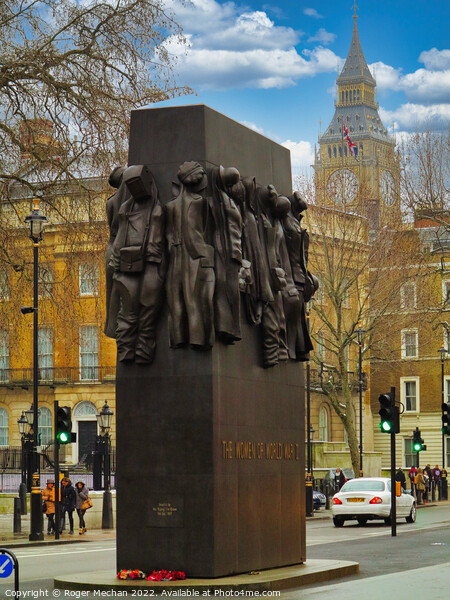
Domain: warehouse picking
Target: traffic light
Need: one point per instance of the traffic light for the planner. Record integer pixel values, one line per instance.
(389, 414)
(418, 443)
(446, 418)
(64, 433)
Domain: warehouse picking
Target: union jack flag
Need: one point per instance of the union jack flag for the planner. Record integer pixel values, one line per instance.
(351, 145)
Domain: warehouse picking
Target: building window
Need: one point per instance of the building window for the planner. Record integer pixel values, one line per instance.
(408, 295)
(410, 343)
(446, 294)
(45, 284)
(4, 356)
(45, 353)
(89, 352)
(323, 424)
(88, 277)
(447, 389)
(320, 347)
(4, 285)
(45, 426)
(334, 151)
(329, 151)
(409, 393)
(410, 455)
(4, 427)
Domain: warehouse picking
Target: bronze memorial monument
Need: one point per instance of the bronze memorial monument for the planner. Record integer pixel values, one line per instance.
(206, 287)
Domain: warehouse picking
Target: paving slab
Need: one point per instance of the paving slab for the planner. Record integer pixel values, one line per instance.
(313, 571)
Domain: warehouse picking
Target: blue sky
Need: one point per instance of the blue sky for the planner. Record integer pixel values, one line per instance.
(272, 65)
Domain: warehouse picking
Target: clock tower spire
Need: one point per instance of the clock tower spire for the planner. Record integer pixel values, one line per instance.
(366, 181)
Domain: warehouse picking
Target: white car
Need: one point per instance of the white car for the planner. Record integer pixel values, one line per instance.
(369, 498)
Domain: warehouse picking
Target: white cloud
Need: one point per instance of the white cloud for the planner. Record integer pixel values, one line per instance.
(417, 116)
(435, 59)
(427, 86)
(387, 77)
(312, 12)
(323, 36)
(423, 85)
(302, 153)
(219, 69)
(230, 46)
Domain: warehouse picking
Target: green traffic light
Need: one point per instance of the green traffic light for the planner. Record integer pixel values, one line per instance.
(386, 426)
(417, 447)
(63, 437)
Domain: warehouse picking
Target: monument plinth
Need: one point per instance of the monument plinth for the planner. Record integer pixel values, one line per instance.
(210, 445)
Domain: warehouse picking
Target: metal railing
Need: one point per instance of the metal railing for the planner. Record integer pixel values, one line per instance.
(57, 376)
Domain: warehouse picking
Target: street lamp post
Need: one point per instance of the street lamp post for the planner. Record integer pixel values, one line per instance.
(103, 451)
(360, 331)
(36, 221)
(104, 419)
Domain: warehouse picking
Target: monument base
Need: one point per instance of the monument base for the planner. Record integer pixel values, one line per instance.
(315, 571)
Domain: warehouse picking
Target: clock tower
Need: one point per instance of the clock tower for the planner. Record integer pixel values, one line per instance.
(366, 182)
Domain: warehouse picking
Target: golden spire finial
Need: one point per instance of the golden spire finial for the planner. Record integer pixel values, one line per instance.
(355, 7)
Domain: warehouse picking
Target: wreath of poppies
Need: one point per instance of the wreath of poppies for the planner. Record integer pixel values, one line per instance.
(155, 576)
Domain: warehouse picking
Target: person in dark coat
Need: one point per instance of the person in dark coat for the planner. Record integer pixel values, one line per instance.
(400, 476)
(82, 494)
(68, 502)
(339, 479)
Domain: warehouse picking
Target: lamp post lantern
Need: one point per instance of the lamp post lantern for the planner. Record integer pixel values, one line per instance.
(36, 221)
(360, 331)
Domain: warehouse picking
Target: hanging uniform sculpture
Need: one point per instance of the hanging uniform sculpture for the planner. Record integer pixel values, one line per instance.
(205, 251)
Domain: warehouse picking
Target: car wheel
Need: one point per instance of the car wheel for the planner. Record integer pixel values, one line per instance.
(388, 521)
(362, 520)
(338, 521)
(412, 515)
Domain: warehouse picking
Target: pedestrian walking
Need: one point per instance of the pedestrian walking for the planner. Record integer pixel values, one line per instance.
(400, 476)
(412, 473)
(436, 479)
(427, 479)
(68, 503)
(82, 494)
(420, 485)
(48, 496)
(444, 484)
(339, 480)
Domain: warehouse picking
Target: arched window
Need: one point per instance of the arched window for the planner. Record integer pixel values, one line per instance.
(323, 424)
(357, 95)
(346, 95)
(45, 426)
(4, 427)
(340, 150)
(329, 151)
(84, 409)
(334, 151)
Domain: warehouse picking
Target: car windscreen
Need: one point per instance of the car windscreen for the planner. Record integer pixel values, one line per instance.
(363, 486)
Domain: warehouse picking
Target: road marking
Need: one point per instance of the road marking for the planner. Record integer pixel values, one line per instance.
(80, 551)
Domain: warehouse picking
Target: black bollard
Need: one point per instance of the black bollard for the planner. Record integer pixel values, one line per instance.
(17, 517)
(23, 498)
(107, 512)
(37, 517)
(327, 496)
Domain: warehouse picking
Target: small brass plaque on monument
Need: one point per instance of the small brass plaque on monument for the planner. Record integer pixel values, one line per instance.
(166, 512)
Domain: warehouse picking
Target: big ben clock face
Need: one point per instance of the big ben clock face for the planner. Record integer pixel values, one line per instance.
(387, 187)
(342, 186)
